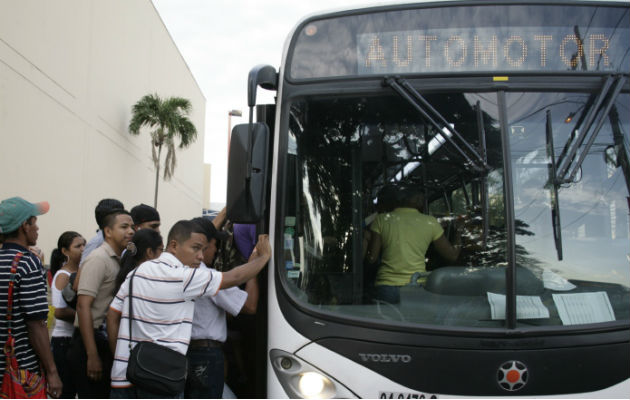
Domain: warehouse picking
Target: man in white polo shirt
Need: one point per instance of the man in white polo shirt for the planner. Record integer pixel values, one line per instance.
(209, 329)
(163, 293)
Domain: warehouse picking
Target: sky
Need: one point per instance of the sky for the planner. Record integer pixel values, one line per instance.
(221, 40)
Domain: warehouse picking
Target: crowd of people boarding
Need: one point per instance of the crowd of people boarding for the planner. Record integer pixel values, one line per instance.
(178, 300)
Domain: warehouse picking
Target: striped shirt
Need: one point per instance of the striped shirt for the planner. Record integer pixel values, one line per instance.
(163, 307)
(29, 303)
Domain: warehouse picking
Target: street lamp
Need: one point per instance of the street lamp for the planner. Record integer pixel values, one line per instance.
(232, 113)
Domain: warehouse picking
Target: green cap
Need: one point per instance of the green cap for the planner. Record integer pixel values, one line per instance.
(16, 210)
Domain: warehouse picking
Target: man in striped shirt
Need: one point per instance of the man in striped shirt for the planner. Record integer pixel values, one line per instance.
(18, 225)
(163, 292)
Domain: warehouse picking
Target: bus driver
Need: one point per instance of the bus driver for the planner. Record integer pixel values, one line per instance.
(404, 235)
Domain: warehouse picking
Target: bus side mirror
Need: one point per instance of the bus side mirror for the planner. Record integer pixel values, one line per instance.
(246, 186)
(264, 76)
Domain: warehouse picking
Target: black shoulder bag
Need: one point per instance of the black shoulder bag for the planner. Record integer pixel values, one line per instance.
(153, 367)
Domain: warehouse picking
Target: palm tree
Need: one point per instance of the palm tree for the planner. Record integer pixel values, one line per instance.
(169, 119)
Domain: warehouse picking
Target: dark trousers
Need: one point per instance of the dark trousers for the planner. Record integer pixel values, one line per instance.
(60, 346)
(77, 357)
(205, 373)
(389, 294)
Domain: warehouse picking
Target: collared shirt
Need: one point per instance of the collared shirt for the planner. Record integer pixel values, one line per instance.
(29, 303)
(209, 319)
(163, 307)
(98, 279)
(406, 235)
(93, 244)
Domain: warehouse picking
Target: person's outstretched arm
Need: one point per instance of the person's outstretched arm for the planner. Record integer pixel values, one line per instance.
(251, 304)
(245, 272)
(219, 220)
(446, 250)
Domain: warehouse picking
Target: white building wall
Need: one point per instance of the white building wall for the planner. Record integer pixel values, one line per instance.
(70, 71)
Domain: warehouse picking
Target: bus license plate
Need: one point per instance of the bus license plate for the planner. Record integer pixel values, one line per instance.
(400, 395)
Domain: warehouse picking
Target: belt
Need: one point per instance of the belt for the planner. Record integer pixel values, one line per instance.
(201, 343)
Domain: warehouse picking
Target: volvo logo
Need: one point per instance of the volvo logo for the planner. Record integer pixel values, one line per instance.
(385, 358)
(512, 376)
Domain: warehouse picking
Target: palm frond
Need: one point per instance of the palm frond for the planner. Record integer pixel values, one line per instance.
(178, 103)
(145, 113)
(169, 119)
(186, 131)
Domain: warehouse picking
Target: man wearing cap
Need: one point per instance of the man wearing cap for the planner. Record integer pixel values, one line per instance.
(145, 217)
(18, 226)
(209, 328)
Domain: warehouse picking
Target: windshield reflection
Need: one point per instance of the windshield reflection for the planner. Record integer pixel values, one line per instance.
(347, 153)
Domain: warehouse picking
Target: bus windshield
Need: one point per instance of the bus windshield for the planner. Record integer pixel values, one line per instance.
(355, 163)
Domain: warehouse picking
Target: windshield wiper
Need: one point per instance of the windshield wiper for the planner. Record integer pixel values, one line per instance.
(558, 175)
(407, 92)
(564, 173)
(553, 189)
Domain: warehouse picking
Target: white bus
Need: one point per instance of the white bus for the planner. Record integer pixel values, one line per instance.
(512, 119)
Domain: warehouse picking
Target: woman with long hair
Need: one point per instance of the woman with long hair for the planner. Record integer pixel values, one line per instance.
(145, 245)
(64, 261)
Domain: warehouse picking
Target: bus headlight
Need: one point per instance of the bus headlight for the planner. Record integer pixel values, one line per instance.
(312, 384)
(302, 380)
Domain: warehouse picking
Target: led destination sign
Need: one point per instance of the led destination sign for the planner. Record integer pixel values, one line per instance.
(488, 49)
(554, 38)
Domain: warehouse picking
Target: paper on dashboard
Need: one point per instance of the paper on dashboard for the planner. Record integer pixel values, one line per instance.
(527, 307)
(553, 281)
(583, 308)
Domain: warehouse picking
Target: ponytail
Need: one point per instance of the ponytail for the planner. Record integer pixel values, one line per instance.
(135, 253)
(57, 259)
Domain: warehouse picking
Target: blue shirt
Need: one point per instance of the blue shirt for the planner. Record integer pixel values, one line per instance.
(94, 243)
(29, 303)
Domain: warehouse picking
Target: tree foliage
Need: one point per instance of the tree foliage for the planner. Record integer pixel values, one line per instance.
(168, 120)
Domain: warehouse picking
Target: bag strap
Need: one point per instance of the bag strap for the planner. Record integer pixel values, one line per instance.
(130, 317)
(12, 280)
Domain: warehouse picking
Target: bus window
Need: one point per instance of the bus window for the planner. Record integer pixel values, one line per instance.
(325, 246)
(377, 142)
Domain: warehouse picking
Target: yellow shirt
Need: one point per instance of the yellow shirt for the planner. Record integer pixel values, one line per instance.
(405, 236)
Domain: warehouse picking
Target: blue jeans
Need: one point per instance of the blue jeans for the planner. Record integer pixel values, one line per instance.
(137, 393)
(205, 373)
(390, 294)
